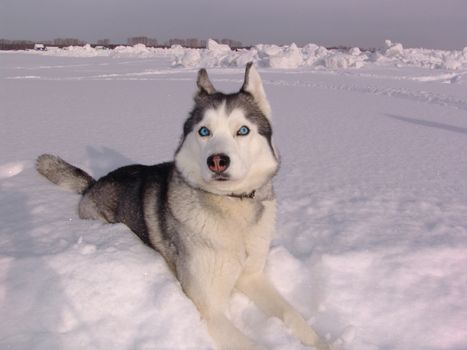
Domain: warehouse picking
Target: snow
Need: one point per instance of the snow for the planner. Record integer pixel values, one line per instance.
(282, 57)
(372, 224)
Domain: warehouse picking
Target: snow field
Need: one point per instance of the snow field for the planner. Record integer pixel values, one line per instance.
(372, 227)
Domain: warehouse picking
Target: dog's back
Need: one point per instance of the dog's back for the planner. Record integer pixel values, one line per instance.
(118, 197)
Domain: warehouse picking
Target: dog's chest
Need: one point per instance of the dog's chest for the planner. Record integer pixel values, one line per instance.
(230, 219)
(222, 222)
(239, 213)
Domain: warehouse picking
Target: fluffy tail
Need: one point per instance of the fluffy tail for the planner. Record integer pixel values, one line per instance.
(63, 174)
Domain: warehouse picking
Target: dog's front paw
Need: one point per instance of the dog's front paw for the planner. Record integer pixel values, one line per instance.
(322, 345)
(303, 331)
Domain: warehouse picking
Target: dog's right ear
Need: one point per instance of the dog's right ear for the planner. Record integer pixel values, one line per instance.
(204, 84)
(254, 86)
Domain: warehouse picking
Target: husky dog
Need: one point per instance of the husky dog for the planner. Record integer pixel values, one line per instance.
(210, 213)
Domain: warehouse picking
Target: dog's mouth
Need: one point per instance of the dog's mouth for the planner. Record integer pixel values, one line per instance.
(220, 177)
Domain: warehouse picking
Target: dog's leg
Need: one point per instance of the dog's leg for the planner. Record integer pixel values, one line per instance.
(226, 335)
(208, 281)
(258, 288)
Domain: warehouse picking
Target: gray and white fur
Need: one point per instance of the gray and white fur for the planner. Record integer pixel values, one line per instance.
(210, 213)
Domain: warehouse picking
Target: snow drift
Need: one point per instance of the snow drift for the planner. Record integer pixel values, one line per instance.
(281, 57)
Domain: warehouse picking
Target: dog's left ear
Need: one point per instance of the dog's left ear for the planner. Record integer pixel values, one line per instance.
(254, 86)
(204, 84)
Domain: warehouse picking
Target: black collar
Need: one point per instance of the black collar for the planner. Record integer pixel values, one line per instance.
(251, 195)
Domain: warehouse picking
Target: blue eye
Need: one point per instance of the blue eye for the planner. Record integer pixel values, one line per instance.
(204, 131)
(243, 131)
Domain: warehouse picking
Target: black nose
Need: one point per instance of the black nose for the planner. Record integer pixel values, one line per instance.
(218, 163)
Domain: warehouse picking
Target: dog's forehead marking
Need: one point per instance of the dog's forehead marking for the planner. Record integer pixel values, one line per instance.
(225, 114)
(238, 114)
(216, 112)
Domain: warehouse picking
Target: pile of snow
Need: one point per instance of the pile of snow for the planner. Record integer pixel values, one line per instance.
(433, 59)
(138, 50)
(74, 51)
(282, 57)
(273, 56)
(314, 56)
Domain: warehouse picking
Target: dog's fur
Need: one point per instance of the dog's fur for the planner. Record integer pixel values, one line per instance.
(210, 213)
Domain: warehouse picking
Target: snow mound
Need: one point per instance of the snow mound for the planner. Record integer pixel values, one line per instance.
(74, 51)
(280, 57)
(212, 45)
(317, 57)
(270, 56)
(396, 54)
(138, 50)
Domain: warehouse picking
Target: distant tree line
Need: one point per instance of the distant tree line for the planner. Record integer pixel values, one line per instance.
(142, 40)
(190, 42)
(6, 44)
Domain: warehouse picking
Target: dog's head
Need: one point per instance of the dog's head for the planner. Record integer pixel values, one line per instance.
(226, 146)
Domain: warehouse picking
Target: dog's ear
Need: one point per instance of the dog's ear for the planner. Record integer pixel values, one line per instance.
(254, 86)
(204, 84)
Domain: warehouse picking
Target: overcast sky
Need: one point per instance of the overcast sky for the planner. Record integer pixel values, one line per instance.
(365, 23)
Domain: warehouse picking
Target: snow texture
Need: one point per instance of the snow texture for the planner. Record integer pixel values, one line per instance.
(372, 224)
(273, 56)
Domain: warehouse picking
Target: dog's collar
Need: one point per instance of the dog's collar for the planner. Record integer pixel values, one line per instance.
(251, 195)
(245, 195)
